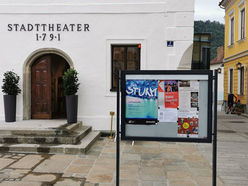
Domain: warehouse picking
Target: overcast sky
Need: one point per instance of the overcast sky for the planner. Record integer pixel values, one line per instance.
(209, 10)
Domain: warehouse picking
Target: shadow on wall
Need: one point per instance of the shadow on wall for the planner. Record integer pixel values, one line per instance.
(186, 60)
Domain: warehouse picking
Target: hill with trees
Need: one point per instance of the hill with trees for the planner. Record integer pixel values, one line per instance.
(217, 33)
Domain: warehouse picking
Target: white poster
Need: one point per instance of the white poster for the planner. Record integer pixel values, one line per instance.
(188, 95)
(168, 115)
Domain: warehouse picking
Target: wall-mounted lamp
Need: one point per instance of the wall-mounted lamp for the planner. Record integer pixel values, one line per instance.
(219, 70)
(238, 65)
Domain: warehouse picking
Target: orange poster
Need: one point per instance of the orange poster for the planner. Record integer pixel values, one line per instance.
(171, 99)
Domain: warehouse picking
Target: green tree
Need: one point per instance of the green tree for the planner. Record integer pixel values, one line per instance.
(217, 31)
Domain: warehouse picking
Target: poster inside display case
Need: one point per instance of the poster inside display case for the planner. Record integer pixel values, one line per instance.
(166, 105)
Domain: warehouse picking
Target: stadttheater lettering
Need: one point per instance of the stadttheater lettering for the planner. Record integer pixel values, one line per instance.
(48, 27)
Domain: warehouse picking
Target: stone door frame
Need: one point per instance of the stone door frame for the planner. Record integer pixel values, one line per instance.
(27, 75)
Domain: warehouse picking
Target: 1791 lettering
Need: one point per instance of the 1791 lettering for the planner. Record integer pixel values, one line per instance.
(45, 36)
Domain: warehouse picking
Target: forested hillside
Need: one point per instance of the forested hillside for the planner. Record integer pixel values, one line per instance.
(217, 33)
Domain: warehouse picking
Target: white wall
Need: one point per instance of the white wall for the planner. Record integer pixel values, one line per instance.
(149, 22)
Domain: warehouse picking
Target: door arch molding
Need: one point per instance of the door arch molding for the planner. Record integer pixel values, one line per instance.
(27, 75)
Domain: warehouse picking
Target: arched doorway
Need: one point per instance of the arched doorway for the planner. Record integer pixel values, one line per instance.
(47, 95)
(42, 79)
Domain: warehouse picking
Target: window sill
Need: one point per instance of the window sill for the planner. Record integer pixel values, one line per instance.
(231, 46)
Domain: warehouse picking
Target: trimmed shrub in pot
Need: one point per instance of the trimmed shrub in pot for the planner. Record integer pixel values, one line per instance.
(239, 108)
(10, 88)
(70, 83)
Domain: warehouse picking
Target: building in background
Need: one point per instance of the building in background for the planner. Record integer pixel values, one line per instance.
(217, 64)
(236, 49)
(41, 39)
(201, 51)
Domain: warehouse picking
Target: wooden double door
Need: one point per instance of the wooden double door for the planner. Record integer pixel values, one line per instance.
(48, 100)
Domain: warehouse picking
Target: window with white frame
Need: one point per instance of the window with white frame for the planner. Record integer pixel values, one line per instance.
(242, 23)
(241, 79)
(231, 31)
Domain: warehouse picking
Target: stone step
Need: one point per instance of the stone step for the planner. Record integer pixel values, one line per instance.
(81, 148)
(70, 127)
(75, 135)
(61, 130)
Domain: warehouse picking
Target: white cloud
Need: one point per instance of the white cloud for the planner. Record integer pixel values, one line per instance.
(209, 10)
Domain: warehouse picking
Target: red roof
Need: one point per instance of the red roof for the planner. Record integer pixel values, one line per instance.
(220, 56)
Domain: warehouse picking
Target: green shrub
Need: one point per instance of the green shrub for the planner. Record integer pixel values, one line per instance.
(10, 83)
(70, 82)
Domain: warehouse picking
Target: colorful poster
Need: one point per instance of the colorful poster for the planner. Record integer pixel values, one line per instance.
(141, 101)
(188, 127)
(171, 94)
(168, 94)
(171, 86)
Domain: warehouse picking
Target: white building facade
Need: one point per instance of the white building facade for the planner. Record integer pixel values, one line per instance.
(217, 64)
(95, 37)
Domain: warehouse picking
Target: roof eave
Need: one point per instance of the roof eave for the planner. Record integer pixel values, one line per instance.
(223, 3)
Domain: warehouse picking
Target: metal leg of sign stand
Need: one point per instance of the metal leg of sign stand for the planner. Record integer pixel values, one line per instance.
(215, 128)
(115, 136)
(117, 133)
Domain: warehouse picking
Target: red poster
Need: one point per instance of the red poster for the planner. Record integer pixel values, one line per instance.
(171, 99)
(188, 126)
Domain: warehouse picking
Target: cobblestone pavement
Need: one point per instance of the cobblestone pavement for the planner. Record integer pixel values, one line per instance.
(232, 148)
(144, 164)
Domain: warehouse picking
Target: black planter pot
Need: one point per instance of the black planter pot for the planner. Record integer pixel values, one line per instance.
(10, 107)
(71, 108)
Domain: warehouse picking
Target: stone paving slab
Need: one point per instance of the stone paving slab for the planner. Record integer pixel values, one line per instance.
(5, 162)
(49, 178)
(68, 182)
(27, 162)
(55, 164)
(21, 183)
